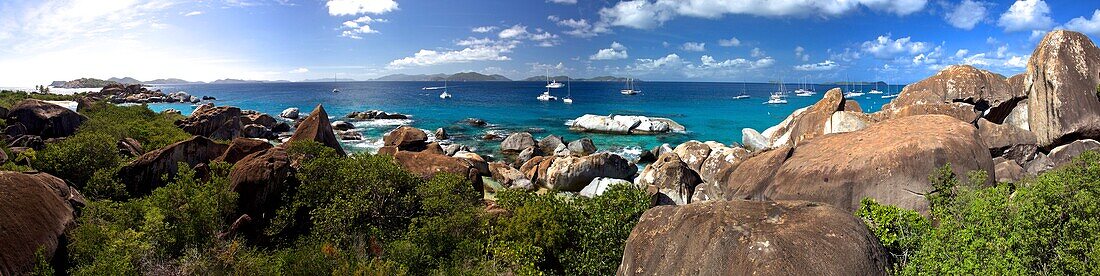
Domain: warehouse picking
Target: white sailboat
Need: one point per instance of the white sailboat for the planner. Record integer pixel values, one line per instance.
(334, 90)
(546, 97)
(777, 96)
(851, 92)
(743, 94)
(629, 90)
(875, 90)
(569, 94)
(445, 95)
(804, 90)
(889, 95)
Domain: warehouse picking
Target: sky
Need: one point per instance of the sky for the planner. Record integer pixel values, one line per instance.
(896, 41)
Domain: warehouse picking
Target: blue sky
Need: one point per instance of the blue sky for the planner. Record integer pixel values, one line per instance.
(694, 40)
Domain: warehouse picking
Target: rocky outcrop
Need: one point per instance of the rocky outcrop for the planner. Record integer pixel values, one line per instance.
(242, 147)
(982, 89)
(129, 147)
(317, 128)
(428, 165)
(847, 121)
(1000, 138)
(600, 185)
(1065, 153)
(582, 147)
(376, 115)
(406, 138)
(551, 143)
(1008, 171)
(693, 153)
(752, 238)
(812, 122)
(510, 177)
(145, 173)
(717, 168)
(260, 179)
(45, 119)
(619, 124)
(37, 211)
(256, 118)
(1062, 78)
(962, 111)
(753, 140)
(671, 177)
(889, 161)
(441, 134)
(571, 174)
(218, 123)
(516, 142)
(290, 113)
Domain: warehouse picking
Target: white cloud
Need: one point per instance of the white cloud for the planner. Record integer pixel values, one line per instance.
(709, 62)
(694, 46)
(646, 14)
(484, 29)
(1026, 15)
(425, 57)
(471, 41)
(1088, 26)
(732, 42)
(515, 32)
(194, 13)
(967, 14)
(672, 61)
(1037, 34)
(356, 28)
(542, 68)
(299, 70)
(821, 66)
(756, 52)
(356, 7)
(800, 53)
(617, 51)
(961, 53)
(566, 2)
(579, 27)
(1017, 61)
(847, 56)
(885, 47)
(545, 39)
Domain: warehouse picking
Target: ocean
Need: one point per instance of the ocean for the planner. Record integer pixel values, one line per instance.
(706, 109)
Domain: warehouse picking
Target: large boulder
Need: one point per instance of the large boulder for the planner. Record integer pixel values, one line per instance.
(290, 113)
(550, 143)
(219, 123)
(317, 128)
(37, 211)
(571, 174)
(600, 185)
(145, 173)
(960, 83)
(693, 153)
(260, 179)
(406, 138)
(1065, 153)
(671, 177)
(428, 165)
(242, 147)
(717, 168)
(129, 147)
(752, 238)
(889, 161)
(517, 142)
(1009, 171)
(620, 124)
(1062, 77)
(753, 140)
(962, 111)
(45, 119)
(257, 118)
(582, 147)
(1000, 138)
(812, 122)
(509, 177)
(847, 121)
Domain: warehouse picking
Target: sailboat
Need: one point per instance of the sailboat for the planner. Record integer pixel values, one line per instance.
(804, 90)
(743, 94)
(546, 95)
(445, 95)
(875, 90)
(569, 94)
(629, 90)
(777, 96)
(851, 92)
(889, 95)
(334, 90)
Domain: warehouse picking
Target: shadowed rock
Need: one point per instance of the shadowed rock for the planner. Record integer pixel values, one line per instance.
(37, 210)
(317, 128)
(242, 147)
(670, 176)
(45, 119)
(145, 173)
(219, 123)
(406, 138)
(1062, 77)
(960, 83)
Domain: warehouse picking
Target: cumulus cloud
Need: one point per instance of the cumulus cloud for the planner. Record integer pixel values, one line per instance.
(1084, 25)
(493, 52)
(694, 46)
(967, 14)
(484, 29)
(800, 53)
(356, 7)
(471, 41)
(884, 47)
(820, 66)
(671, 61)
(579, 27)
(617, 51)
(566, 2)
(356, 28)
(194, 13)
(709, 62)
(515, 32)
(647, 14)
(300, 70)
(1025, 15)
(731, 42)
(756, 52)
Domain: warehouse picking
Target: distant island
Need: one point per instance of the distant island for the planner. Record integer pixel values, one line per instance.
(855, 83)
(464, 76)
(98, 83)
(567, 78)
(328, 80)
(237, 81)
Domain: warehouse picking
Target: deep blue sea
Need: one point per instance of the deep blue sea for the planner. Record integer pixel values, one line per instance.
(706, 109)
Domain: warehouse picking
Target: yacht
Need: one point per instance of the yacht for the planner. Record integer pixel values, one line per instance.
(853, 94)
(334, 90)
(629, 90)
(804, 90)
(554, 84)
(743, 95)
(444, 95)
(889, 95)
(546, 96)
(777, 96)
(549, 85)
(569, 94)
(875, 90)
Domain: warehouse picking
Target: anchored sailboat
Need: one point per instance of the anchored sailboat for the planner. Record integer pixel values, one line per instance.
(743, 94)
(777, 96)
(546, 94)
(629, 90)
(569, 94)
(445, 95)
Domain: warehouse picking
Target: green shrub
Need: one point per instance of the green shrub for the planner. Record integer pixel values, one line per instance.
(899, 230)
(9, 98)
(77, 158)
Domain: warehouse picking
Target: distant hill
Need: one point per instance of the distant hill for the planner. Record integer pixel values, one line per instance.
(236, 81)
(567, 78)
(464, 76)
(126, 80)
(328, 80)
(855, 83)
(170, 81)
(83, 83)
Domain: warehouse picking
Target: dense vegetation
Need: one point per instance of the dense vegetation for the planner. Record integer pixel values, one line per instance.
(1049, 224)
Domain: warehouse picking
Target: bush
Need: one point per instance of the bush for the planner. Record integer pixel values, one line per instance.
(77, 158)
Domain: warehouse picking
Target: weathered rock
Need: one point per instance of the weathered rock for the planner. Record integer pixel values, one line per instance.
(1009, 171)
(671, 177)
(15, 129)
(475, 161)
(1021, 154)
(1018, 117)
(959, 83)
(716, 170)
(1040, 164)
(889, 161)
(441, 134)
(526, 155)
(242, 147)
(350, 135)
(219, 123)
(290, 113)
(342, 125)
(377, 115)
(752, 238)
(27, 141)
(255, 131)
(1002, 137)
(428, 165)
(693, 153)
(753, 140)
(550, 143)
(535, 169)
(128, 147)
(280, 127)
(475, 122)
(754, 174)
(620, 124)
(847, 121)
(435, 148)
(599, 185)
(571, 174)
(812, 122)
(962, 111)
(406, 138)
(1065, 153)
(451, 149)
(582, 147)
(517, 142)
(317, 128)
(145, 173)
(45, 119)
(260, 179)
(38, 210)
(1062, 77)
(259, 119)
(509, 177)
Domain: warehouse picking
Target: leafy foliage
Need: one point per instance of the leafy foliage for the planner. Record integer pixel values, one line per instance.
(9, 98)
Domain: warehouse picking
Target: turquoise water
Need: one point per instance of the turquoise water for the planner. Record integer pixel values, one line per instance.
(707, 110)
